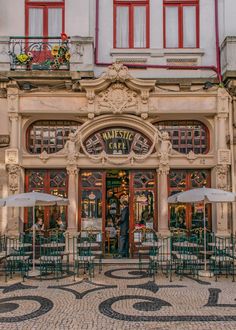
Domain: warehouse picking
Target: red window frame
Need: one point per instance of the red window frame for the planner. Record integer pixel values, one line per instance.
(45, 6)
(180, 4)
(131, 4)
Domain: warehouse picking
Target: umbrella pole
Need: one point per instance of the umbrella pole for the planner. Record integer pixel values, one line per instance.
(33, 238)
(204, 224)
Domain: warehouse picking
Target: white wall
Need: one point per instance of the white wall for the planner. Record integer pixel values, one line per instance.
(77, 17)
(227, 18)
(12, 17)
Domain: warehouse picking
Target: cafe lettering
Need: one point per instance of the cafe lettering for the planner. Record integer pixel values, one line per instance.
(117, 141)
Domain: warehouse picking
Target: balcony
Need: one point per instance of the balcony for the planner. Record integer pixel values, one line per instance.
(49, 54)
(36, 53)
(228, 59)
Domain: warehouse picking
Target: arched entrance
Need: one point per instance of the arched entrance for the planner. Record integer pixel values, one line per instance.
(118, 149)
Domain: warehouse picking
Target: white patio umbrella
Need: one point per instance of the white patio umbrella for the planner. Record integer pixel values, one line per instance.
(33, 199)
(205, 195)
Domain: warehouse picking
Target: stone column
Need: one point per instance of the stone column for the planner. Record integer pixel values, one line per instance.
(163, 228)
(14, 129)
(13, 223)
(222, 130)
(72, 171)
(222, 225)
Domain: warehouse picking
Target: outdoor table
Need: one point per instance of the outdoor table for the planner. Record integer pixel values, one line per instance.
(151, 244)
(219, 246)
(186, 244)
(53, 245)
(19, 245)
(91, 245)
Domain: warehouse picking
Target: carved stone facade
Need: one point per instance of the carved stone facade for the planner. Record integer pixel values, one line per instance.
(117, 102)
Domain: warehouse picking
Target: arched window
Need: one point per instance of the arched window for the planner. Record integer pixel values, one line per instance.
(49, 135)
(186, 135)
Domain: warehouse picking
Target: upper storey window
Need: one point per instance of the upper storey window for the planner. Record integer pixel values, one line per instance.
(44, 18)
(131, 24)
(181, 23)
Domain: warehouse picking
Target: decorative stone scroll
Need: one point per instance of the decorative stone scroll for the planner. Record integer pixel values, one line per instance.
(221, 176)
(116, 91)
(11, 156)
(13, 177)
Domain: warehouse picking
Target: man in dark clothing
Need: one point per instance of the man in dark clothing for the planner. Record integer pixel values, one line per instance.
(124, 231)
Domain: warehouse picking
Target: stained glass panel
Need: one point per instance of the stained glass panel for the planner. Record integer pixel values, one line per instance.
(49, 135)
(186, 135)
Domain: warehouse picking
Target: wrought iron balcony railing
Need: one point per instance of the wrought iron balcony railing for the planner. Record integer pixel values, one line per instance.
(37, 53)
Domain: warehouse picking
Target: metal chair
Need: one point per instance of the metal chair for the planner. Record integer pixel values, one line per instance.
(16, 261)
(186, 256)
(161, 258)
(83, 257)
(51, 256)
(222, 260)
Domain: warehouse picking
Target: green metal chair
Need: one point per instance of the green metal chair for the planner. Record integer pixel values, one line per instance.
(94, 236)
(160, 258)
(223, 257)
(16, 261)
(187, 257)
(51, 257)
(83, 257)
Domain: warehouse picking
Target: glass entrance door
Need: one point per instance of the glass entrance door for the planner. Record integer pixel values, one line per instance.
(101, 194)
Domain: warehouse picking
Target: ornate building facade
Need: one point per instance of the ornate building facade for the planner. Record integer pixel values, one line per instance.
(137, 122)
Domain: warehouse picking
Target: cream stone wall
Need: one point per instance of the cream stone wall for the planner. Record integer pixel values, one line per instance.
(147, 105)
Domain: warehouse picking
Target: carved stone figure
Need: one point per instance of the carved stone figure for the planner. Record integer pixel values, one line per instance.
(71, 148)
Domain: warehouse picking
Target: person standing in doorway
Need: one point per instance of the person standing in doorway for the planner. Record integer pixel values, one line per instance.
(124, 231)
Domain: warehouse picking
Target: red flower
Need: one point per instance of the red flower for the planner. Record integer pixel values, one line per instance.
(64, 37)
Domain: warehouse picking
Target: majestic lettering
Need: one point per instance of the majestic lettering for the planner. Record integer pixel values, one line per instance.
(117, 141)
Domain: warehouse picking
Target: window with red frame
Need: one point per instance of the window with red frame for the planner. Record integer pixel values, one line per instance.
(181, 23)
(44, 18)
(131, 24)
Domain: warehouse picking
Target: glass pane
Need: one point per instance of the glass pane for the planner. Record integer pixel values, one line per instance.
(178, 216)
(189, 26)
(122, 27)
(186, 136)
(172, 26)
(139, 27)
(35, 22)
(91, 209)
(50, 136)
(144, 208)
(54, 22)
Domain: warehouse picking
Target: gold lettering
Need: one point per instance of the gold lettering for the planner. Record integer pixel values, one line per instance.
(104, 136)
(110, 145)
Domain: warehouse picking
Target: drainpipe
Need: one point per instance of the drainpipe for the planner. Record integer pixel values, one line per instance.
(216, 69)
(231, 134)
(218, 64)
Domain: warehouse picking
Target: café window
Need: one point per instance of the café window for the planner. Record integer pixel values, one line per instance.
(186, 135)
(118, 141)
(49, 135)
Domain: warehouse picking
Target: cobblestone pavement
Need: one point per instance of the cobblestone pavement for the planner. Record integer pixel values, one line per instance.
(119, 298)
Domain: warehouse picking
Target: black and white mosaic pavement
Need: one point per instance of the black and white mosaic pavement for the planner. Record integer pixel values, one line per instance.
(119, 298)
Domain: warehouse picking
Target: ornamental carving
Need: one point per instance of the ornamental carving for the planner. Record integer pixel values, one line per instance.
(116, 91)
(13, 177)
(117, 72)
(11, 156)
(224, 156)
(221, 176)
(117, 98)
